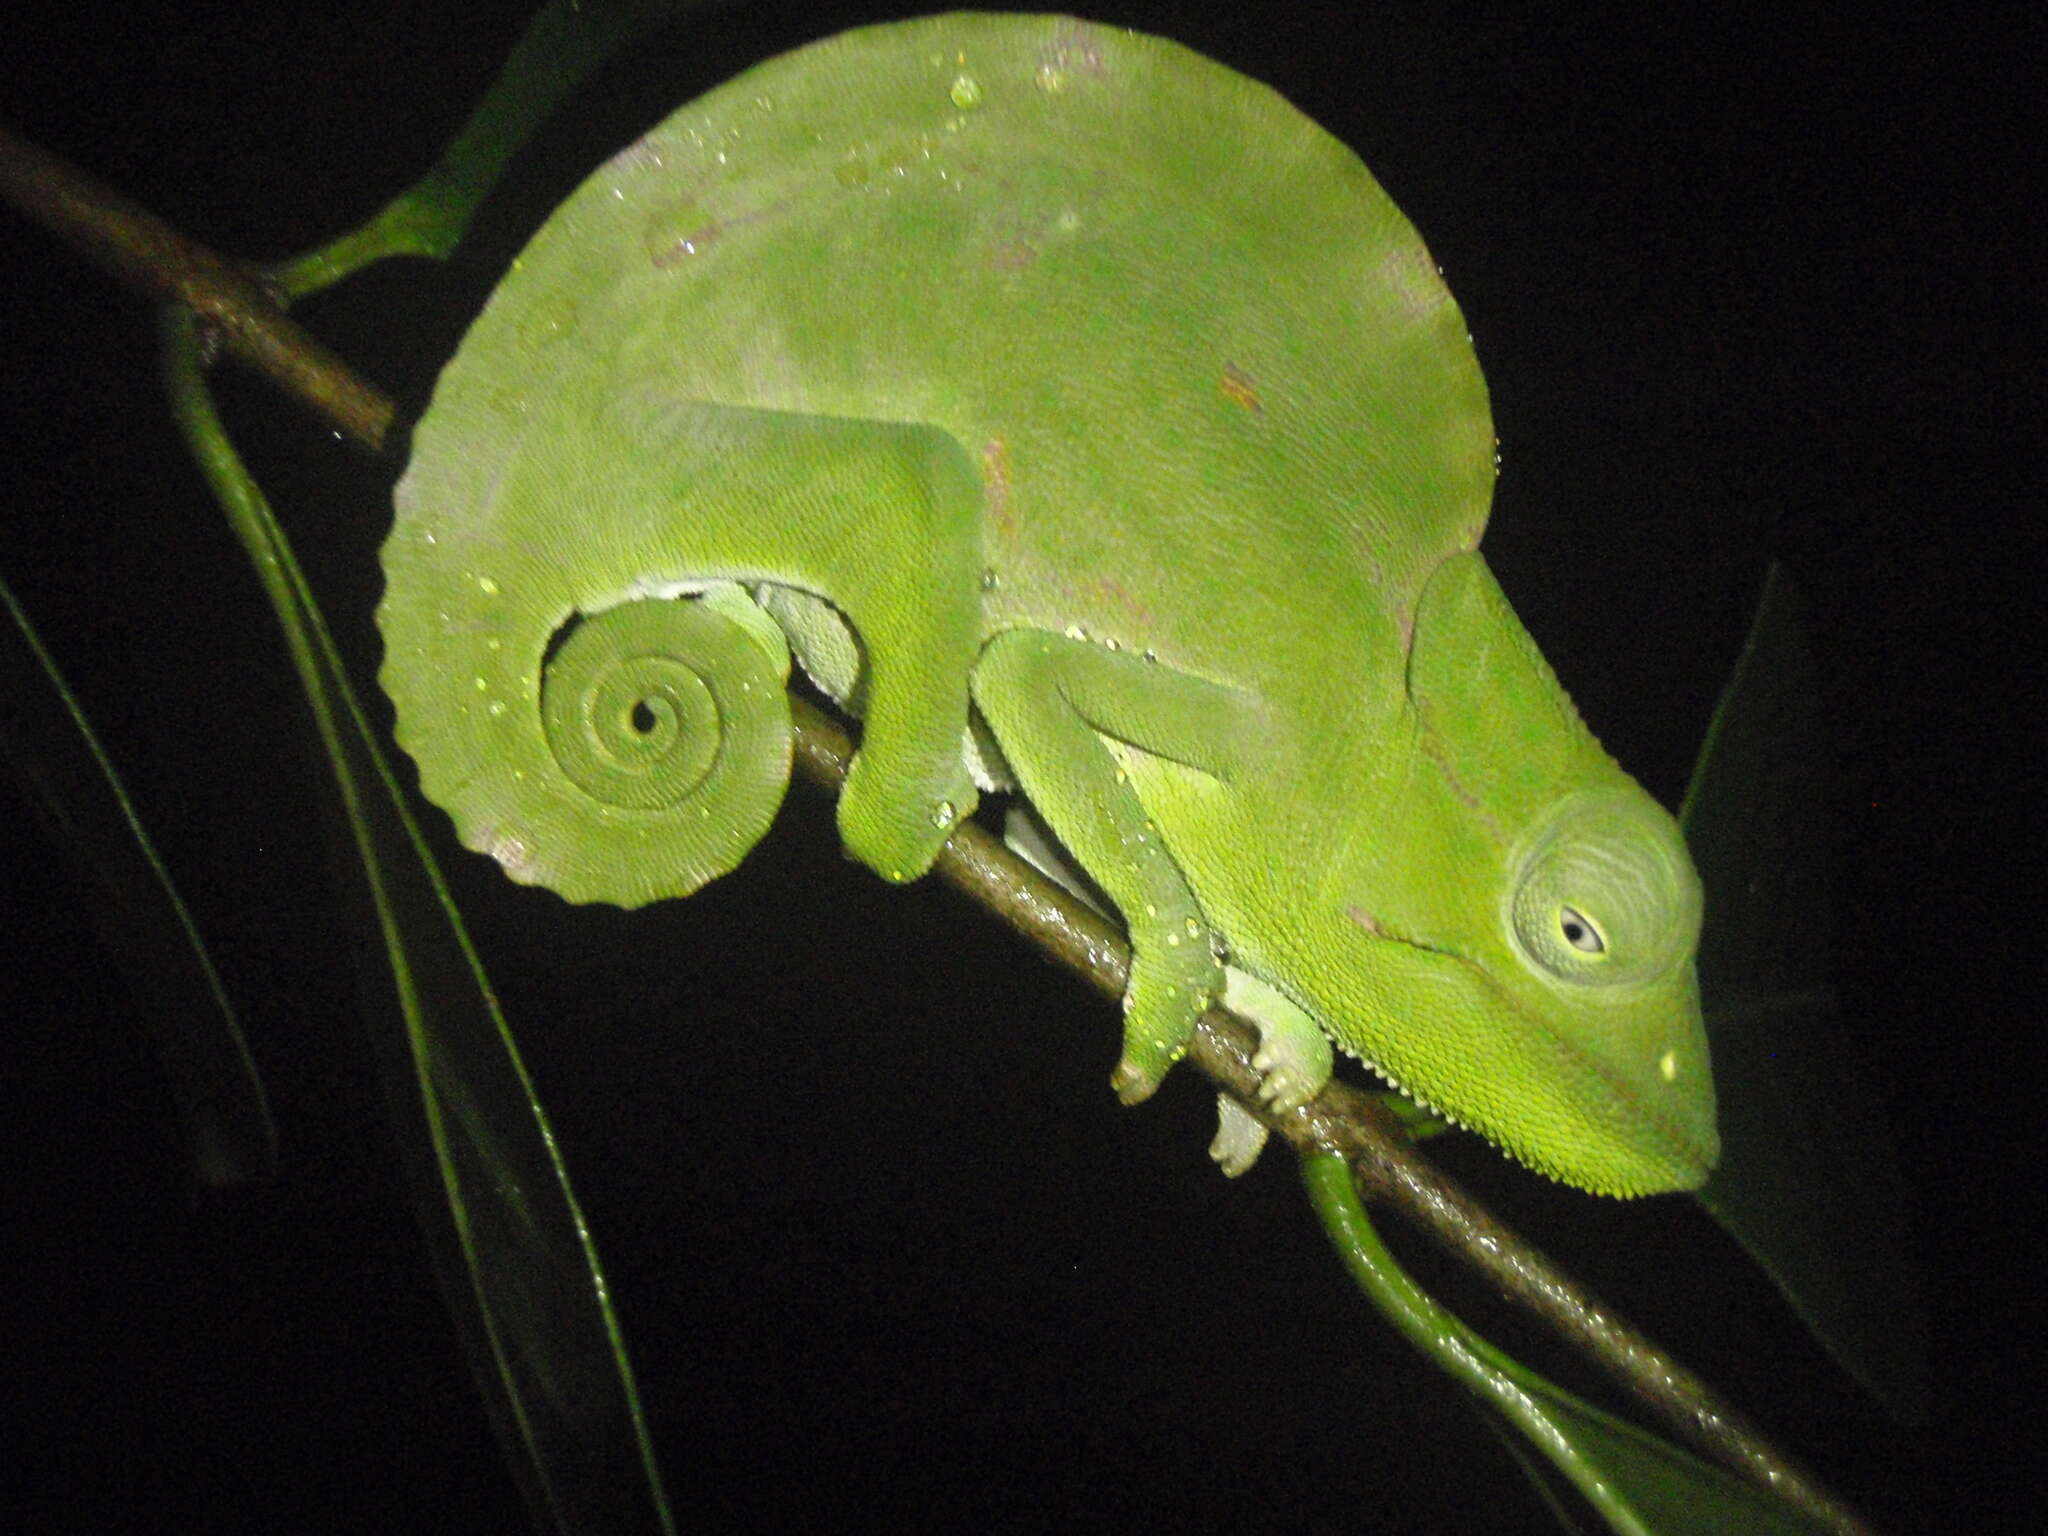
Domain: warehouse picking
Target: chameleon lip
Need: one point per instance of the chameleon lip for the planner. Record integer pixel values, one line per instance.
(1675, 1152)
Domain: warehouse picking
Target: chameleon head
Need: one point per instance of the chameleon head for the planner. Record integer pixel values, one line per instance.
(1538, 981)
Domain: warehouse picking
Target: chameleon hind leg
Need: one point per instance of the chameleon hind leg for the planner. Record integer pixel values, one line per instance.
(1052, 701)
(880, 519)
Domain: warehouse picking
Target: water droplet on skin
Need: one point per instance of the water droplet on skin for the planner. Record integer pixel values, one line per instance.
(966, 92)
(677, 232)
(509, 849)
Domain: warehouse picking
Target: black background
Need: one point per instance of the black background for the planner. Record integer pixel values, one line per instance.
(1743, 290)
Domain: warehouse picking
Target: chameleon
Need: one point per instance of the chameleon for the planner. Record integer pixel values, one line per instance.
(1091, 425)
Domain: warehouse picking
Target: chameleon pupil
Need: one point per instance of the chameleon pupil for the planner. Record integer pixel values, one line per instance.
(1578, 932)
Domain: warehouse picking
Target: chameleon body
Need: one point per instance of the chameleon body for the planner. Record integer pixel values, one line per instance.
(1086, 419)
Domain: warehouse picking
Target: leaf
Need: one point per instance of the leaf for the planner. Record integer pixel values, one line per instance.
(140, 916)
(516, 1261)
(562, 46)
(1807, 1183)
(1636, 1482)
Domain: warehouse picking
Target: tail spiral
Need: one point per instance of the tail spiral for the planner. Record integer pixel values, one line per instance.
(667, 742)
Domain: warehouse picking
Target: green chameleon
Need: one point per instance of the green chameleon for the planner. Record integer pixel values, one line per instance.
(1089, 422)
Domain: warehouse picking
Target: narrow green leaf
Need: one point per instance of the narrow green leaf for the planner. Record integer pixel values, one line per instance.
(564, 44)
(1808, 1184)
(53, 750)
(517, 1263)
(1640, 1485)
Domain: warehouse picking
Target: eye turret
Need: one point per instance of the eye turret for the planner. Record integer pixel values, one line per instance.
(1606, 894)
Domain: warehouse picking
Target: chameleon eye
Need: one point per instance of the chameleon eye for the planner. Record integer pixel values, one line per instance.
(1579, 931)
(1622, 857)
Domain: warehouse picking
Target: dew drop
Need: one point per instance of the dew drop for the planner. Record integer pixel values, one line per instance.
(966, 92)
(676, 232)
(487, 586)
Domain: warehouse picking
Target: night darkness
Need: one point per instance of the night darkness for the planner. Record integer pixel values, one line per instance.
(1741, 293)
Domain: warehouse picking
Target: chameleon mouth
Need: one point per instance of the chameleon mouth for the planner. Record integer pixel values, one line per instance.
(1627, 1143)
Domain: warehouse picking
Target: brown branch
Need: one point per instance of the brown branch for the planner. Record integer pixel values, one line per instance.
(147, 254)
(143, 251)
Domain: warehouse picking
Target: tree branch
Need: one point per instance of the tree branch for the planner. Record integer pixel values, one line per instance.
(231, 301)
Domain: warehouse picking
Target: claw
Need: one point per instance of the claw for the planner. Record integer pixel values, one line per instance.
(1240, 1137)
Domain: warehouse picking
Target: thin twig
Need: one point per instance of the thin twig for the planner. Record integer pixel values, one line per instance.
(147, 254)
(140, 249)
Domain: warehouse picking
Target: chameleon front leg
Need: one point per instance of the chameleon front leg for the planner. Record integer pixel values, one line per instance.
(1051, 702)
